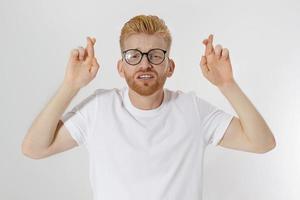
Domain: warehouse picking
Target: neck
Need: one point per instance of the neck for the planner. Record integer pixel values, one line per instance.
(146, 102)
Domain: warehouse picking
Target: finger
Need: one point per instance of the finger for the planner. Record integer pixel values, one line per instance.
(95, 66)
(225, 54)
(94, 40)
(74, 54)
(90, 47)
(203, 64)
(218, 50)
(209, 46)
(81, 52)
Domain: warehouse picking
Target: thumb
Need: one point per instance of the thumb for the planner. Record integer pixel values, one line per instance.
(203, 64)
(94, 68)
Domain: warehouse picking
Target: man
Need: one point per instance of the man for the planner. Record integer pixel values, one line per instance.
(145, 141)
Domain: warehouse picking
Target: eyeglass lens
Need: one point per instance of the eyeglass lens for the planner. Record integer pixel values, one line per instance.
(155, 56)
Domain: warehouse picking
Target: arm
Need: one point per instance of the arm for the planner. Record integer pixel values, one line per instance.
(250, 122)
(40, 140)
(249, 132)
(41, 133)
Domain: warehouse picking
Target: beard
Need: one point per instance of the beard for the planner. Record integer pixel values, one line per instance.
(146, 88)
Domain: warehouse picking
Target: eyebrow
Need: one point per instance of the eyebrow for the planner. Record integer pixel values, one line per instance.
(148, 49)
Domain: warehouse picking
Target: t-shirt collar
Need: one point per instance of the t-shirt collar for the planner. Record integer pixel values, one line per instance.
(134, 110)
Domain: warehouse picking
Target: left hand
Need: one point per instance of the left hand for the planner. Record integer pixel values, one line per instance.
(215, 64)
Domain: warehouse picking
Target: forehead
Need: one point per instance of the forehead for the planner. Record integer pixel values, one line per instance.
(144, 42)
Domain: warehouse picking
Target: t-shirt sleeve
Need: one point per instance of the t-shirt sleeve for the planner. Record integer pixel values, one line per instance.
(79, 119)
(214, 121)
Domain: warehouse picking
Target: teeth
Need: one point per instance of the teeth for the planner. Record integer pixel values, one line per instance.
(145, 76)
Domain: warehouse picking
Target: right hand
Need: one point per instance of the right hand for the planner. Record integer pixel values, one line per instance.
(82, 65)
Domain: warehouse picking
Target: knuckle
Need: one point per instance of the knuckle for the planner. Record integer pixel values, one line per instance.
(74, 51)
(80, 49)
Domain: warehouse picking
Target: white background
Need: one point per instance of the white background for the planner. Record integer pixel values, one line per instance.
(263, 40)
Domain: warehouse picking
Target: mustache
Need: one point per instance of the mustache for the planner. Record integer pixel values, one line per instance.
(145, 71)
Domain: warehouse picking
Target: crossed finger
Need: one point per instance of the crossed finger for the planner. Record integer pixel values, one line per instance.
(209, 45)
(90, 47)
(218, 50)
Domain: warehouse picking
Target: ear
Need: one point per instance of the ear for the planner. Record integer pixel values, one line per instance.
(120, 66)
(170, 68)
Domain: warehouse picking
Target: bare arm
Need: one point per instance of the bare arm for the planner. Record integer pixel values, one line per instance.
(249, 132)
(41, 133)
(41, 140)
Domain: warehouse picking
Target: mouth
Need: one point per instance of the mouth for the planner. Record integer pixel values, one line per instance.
(146, 77)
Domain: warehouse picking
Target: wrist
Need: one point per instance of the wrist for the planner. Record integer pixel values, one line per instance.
(69, 87)
(227, 85)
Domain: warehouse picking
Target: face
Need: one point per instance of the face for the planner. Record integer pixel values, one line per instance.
(160, 72)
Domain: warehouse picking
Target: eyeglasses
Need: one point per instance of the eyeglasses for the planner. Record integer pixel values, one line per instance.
(154, 56)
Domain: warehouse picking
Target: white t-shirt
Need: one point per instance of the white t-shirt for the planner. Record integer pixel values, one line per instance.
(139, 154)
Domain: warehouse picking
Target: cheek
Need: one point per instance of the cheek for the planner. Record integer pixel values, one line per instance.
(164, 70)
(127, 70)
(129, 73)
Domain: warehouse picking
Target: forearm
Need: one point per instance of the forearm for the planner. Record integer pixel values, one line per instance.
(253, 124)
(41, 132)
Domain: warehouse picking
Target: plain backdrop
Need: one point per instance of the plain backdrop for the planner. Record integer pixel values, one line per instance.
(264, 45)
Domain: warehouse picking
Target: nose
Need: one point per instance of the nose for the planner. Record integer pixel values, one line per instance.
(145, 62)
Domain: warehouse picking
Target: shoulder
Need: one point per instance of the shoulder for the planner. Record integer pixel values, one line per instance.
(104, 91)
(97, 94)
(185, 100)
(190, 99)
(108, 96)
(101, 92)
(180, 95)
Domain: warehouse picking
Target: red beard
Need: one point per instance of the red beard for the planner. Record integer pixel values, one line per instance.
(145, 87)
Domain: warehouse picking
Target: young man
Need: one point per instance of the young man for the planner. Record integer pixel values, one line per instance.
(145, 141)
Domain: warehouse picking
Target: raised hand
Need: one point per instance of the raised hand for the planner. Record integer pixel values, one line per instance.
(215, 64)
(82, 65)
